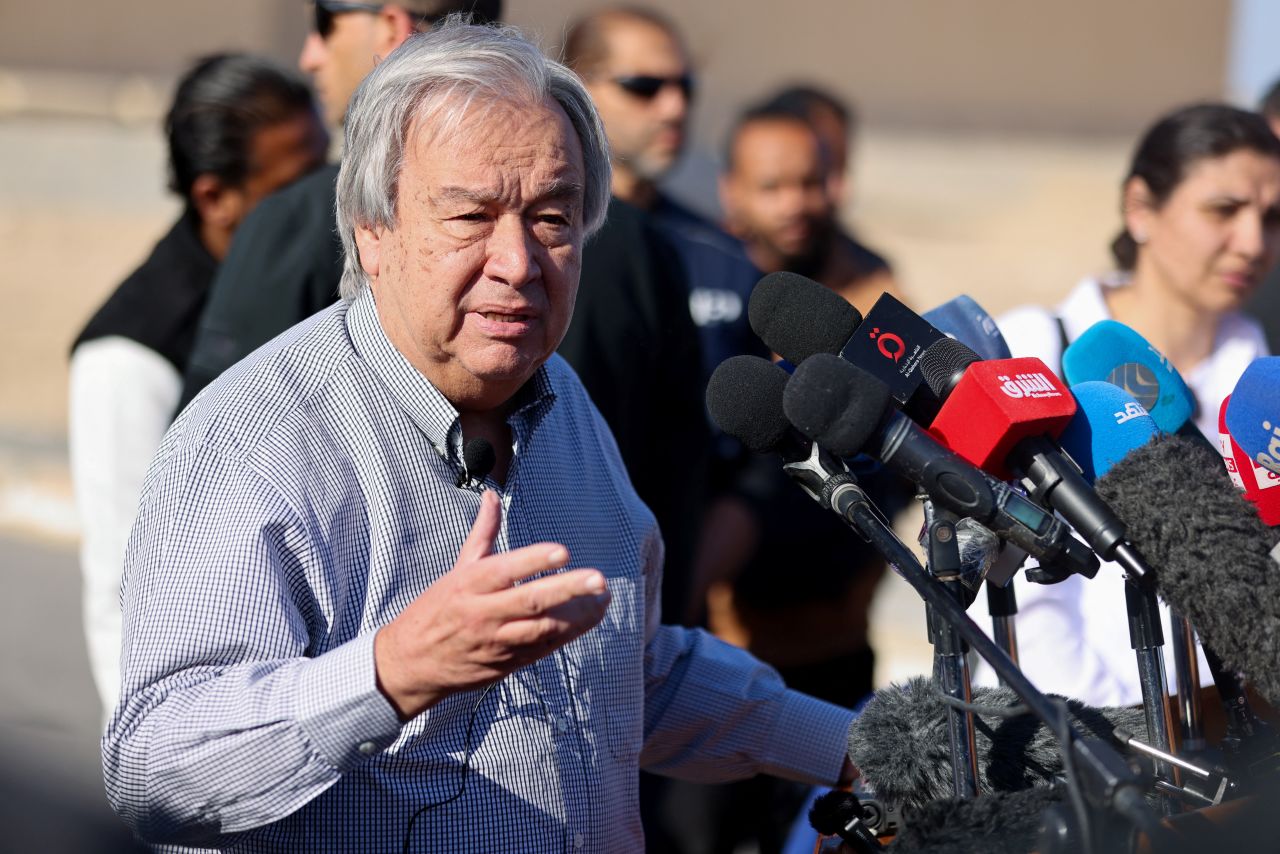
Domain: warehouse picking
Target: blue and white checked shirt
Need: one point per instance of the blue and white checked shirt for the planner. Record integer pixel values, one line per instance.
(298, 505)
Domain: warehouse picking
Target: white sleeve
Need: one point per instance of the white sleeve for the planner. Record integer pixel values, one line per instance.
(122, 398)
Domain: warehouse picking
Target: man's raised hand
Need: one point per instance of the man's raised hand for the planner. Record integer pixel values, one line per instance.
(476, 624)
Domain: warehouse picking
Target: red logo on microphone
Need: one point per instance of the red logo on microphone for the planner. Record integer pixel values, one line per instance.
(883, 340)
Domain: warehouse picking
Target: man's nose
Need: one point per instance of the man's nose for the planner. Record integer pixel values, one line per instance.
(511, 253)
(671, 102)
(313, 53)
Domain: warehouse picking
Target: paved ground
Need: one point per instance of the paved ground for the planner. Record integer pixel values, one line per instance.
(51, 797)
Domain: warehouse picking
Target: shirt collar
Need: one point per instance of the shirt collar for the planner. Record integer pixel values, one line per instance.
(430, 410)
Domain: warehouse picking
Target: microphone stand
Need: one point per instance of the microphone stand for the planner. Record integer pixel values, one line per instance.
(1113, 788)
(1002, 603)
(1186, 667)
(1146, 636)
(950, 665)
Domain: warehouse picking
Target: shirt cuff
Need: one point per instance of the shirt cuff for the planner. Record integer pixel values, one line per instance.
(810, 740)
(340, 707)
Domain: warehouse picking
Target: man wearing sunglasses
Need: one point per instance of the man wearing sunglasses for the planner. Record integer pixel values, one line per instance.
(637, 70)
(285, 262)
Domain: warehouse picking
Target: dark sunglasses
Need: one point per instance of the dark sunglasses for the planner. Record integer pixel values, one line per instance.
(647, 87)
(327, 10)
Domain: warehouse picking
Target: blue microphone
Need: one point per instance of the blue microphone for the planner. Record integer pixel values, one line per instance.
(1108, 424)
(967, 322)
(1253, 413)
(1112, 352)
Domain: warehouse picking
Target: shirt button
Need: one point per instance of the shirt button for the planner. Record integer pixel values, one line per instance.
(368, 748)
(562, 724)
(578, 840)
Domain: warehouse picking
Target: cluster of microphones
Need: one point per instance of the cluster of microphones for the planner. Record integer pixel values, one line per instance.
(1021, 471)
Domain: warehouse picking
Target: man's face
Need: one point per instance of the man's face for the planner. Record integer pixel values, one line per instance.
(339, 61)
(476, 283)
(776, 196)
(646, 133)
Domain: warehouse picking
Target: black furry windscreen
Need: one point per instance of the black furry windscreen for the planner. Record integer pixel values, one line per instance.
(900, 742)
(1210, 551)
(999, 823)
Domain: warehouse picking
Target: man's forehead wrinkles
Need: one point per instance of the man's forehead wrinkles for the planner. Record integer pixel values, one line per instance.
(488, 192)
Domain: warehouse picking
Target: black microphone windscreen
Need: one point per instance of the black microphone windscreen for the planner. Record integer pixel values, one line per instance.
(744, 397)
(835, 403)
(995, 823)
(901, 745)
(942, 363)
(478, 458)
(796, 317)
(1209, 548)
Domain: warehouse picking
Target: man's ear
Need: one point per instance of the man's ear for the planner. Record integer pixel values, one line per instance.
(394, 25)
(369, 245)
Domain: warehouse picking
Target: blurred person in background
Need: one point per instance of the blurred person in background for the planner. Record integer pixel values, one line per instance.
(1265, 306)
(835, 123)
(1201, 214)
(636, 67)
(239, 128)
(285, 263)
(831, 119)
(778, 197)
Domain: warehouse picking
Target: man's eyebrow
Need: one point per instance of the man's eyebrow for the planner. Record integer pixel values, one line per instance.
(562, 189)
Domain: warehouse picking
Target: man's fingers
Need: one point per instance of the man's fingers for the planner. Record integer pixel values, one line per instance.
(501, 571)
(541, 596)
(484, 530)
(556, 626)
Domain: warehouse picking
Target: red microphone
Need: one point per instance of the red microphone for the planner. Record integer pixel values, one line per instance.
(1003, 416)
(998, 403)
(1258, 484)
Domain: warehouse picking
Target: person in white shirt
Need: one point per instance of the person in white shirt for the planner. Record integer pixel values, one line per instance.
(1201, 211)
(239, 128)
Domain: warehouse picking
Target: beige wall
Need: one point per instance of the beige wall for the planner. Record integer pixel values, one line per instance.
(143, 36)
(1084, 66)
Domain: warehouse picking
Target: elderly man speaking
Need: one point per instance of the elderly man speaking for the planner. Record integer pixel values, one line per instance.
(335, 640)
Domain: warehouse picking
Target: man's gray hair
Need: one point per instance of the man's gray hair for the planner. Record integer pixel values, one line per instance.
(440, 75)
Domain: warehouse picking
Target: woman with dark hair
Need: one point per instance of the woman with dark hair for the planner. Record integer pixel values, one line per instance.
(1201, 209)
(239, 128)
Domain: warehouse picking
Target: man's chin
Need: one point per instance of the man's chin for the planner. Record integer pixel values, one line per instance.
(806, 260)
